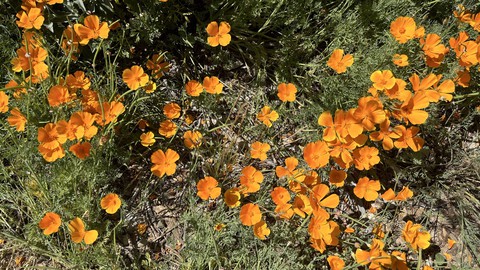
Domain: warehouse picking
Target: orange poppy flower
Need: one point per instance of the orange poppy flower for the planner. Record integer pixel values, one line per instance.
(143, 124)
(457, 43)
(365, 157)
(164, 162)
(290, 170)
(58, 95)
(400, 60)
(432, 46)
(337, 177)
(172, 110)
(91, 29)
(110, 203)
(408, 138)
(50, 223)
(388, 195)
(70, 43)
(462, 15)
(17, 120)
(302, 206)
(167, 129)
(108, 112)
(475, 22)
(398, 91)
(425, 86)
(147, 139)
(208, 188)
(451, 242)
(90, 101)
(31, 58)
(260, 230)
(250, 179)
(193, 88)
(325, 120)
(259, 150)
(382, 79)
(367, 189)
(342, 150)
(376, 256)
(323, 232)
(82, 125)
(286, 92)
(192, 139)
(346, 124)
(218, 34)
(158, 66)
(78, 233)
(349, 230)
(404, 194)
(385, 134)
(369, 112)
(335, 263)
(32, 18)
(420, 32)
(3, 102)
(378, 231)
(212, 85)
(150, 87)
(232, 197)
(340, 62)
(445, 89)
(403, 29)
(134, 77)
(39, 73)
(267, 116)
(51, 142)
(463, 78)
(416, 236)
(250, 214)
(316, 154)
(17, 91)
(51, 154)
(284, 211)
(319, 200)
(411, 109)
(311, 178)
(78, 80)
(280, 195)
(81, 150)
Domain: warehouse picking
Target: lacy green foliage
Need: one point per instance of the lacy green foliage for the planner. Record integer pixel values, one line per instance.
(273, 41)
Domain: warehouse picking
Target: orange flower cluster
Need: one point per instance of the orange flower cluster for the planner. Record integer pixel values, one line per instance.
(403, 195)
(31, 57)
(377, 258)
(51, 222)
(81, 125)
(211, 85)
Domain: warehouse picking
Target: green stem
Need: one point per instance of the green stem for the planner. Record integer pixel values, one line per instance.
(95, 56)
(467, 95)
(419, 265)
